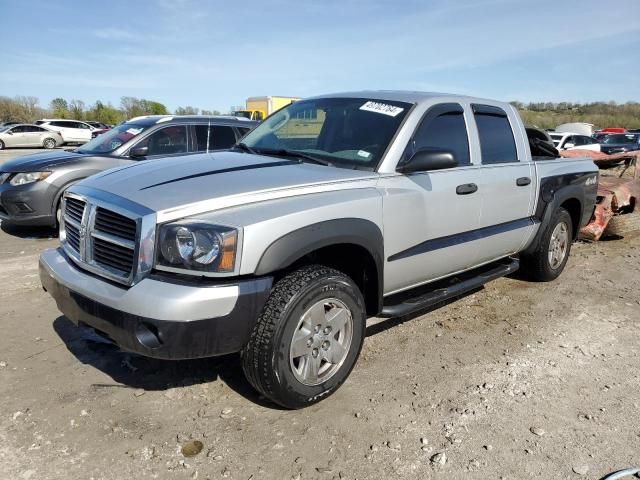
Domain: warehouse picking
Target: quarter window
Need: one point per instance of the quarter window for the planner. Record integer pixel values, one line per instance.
(496, 137)
(444, 128)
(220, 137)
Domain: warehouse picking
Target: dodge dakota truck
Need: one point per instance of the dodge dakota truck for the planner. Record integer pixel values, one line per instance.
(281, 248)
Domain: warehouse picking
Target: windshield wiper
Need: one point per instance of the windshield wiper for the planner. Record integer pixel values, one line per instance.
(244, 147)
(281, 152)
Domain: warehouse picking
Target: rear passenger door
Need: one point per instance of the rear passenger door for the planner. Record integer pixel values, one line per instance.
(213, 137)
(507, 186)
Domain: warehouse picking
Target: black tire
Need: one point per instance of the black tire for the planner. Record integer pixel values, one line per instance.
(266, 358)
(537, 265)
(49, 143)
(621, 225)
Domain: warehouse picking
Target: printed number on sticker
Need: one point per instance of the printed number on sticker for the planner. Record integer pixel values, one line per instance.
(383, 108)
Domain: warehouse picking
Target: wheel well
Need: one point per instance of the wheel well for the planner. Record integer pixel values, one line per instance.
(574, 208)
(354, 261)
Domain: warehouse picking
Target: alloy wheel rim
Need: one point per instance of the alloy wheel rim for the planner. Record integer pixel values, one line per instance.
(559, 245)
(321, 341)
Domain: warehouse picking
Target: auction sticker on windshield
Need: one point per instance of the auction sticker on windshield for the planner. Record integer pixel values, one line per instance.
(383, 108)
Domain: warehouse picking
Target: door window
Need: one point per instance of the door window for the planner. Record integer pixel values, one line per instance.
(166, 141)
(496, 136)
(444, 128)
(220, 137)
(20, 129)
(33, 128)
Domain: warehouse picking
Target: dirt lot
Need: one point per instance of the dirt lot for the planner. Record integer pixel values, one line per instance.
(518, 380)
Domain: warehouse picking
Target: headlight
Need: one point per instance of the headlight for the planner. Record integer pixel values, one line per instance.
(198, 246)
(29, 177)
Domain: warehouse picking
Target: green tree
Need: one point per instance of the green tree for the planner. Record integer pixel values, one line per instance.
(187, 111)
(59, 108)
(76, 109)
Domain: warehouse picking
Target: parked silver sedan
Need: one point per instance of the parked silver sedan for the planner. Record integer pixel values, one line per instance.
(25, 135)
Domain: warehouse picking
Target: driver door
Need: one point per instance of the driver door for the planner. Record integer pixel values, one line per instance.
(430, 217)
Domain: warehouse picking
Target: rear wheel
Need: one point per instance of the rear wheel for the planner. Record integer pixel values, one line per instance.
(550, 257)
(307, 338)
(49, 143)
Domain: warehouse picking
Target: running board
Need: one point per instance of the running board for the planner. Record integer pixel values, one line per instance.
(459, 285)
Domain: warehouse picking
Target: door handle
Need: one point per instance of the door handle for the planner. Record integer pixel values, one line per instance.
(523, 181)
(466, 189)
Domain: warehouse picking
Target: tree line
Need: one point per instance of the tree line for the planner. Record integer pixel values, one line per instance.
(600, 114)
(540, 114)
(27, 109)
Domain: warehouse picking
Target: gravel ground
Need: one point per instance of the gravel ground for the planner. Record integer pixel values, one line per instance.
(518, 380)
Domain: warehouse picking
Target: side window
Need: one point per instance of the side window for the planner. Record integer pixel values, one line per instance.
(444, 128)
(220, 137)
(33, 128)
(166, 141)
(496, 137)
(82, 126)
(18, 130)
(258, 116)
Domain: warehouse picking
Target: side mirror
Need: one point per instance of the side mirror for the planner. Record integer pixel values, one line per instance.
(428, 159)
(9, 132)
(569, 145)
(137, 152)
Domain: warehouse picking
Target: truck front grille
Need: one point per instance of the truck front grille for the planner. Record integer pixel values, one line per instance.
(105, 239)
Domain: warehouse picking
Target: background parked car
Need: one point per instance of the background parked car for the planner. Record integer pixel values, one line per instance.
(25, 135)
(568, 141)
(31, 186)
(8, 124)
(72, 131)
(99, 128)
(620, 142)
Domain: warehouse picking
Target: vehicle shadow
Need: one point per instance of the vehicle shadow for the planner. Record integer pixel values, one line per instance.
(129, 370)
(30, 233)
(385, 324)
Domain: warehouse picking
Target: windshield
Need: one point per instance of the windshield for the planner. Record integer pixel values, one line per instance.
(347, 132)
(112, 139)
(620, 139)
(4, 129)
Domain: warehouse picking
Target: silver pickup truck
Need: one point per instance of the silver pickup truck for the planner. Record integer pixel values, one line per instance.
(334, 209)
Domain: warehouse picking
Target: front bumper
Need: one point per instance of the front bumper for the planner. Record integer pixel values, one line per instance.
(29, 205)
(158, 317)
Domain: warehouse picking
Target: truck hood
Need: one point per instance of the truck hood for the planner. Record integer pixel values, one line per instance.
(39, 162)
(188, 185)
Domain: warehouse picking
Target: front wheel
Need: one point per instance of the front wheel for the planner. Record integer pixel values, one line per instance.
(49, 143)
(307, 338)
(549, 258)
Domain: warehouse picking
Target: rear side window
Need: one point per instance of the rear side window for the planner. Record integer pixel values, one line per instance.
(444, 128)
(220, 137)
(496, 137)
